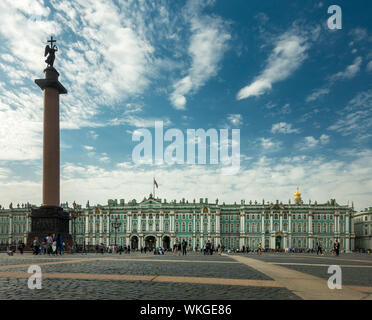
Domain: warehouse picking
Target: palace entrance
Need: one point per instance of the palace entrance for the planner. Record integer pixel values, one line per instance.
(134, 243)
(278, 242)
(166, 243)
(150, 242)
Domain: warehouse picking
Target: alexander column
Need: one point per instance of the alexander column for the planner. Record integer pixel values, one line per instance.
(50, 217)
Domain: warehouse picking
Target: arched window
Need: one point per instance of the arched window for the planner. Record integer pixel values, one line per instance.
(285, 216)
(212, 227)
(248, 227)
(276, 227)
(166, 226)
(253, 227)
(177, 227)
(166, 216)
(285, 227)
(258, 227)
(267, 216)
(294, 227)
(318, 227)
(183, 227)
(324, 228)
(331, 228)
(299, 227)
(276, 216)
(190, 227)
(157, 226)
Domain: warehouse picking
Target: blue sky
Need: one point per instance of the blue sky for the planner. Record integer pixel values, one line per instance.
(300, 94)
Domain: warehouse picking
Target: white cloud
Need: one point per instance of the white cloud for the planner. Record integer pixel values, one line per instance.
(319, 178)
(369, 66)
(350, 71)
(235, 119)
(108, 59)
(317, 93)
(89, 148)
(356, 117)
(269, 144)
(311, 142)
(287, 56)
(207, 45)
(283, 127)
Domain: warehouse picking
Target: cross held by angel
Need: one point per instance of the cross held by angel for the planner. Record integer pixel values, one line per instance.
(50, 50)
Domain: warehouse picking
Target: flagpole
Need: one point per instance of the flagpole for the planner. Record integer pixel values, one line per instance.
(153, 186)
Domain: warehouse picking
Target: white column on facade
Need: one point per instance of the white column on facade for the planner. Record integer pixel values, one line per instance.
(10, 231)
(289, 230)
(129, 222)
(161, 227)
(218, 223)
(202, 227)
(281, 221)
(86, 227)
(209, 223)
(139, 227)
(271, 222)
(147, 223)
(172, 221)
(338, 222)
(310, 238)
(100, 227)
(347, 223)
(263, 229)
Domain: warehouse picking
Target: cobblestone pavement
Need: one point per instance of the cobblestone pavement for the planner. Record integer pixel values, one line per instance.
(356, 268)
(139, 290)
(140, 276)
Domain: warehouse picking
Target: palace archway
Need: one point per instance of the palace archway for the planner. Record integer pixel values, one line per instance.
(134, 243)
(150, 242)
(166, 243)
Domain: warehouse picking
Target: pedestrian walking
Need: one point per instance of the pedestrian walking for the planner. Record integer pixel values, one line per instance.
(184, 247)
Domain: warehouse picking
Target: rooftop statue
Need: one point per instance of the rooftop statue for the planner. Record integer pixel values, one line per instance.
(50, 50)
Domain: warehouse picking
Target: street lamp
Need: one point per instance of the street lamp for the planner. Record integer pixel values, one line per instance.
(74, 214)
(116, 225)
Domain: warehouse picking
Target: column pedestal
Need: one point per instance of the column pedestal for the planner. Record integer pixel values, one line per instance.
(48, 220)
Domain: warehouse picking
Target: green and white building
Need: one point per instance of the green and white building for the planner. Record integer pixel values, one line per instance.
(157, 222)
(363, 229)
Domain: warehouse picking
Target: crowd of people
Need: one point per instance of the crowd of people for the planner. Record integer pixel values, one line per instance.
(52, 244)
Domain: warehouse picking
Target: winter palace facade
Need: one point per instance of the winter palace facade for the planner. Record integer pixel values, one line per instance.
(156, 222)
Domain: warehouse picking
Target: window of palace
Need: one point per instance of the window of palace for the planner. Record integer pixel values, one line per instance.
(183, 217)
(342, 217)
(183, 227)
(134, 216)
(267, 216)
(285, 227)
(331, 216)
(212, 229)
(341, 227)
(190, 226)
(144, 226)
(150, 216)
(177, 226)
(205, 227)
(324, 228)
(177, 216)
(198, 227)
(166, 216)
(252, 216)
(299, 217)
(166, 227)
(237, 227)
(294, 227)
(294, 217)
(276, 216)
(331, 228)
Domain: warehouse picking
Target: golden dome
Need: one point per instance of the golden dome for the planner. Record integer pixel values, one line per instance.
(297, 195)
